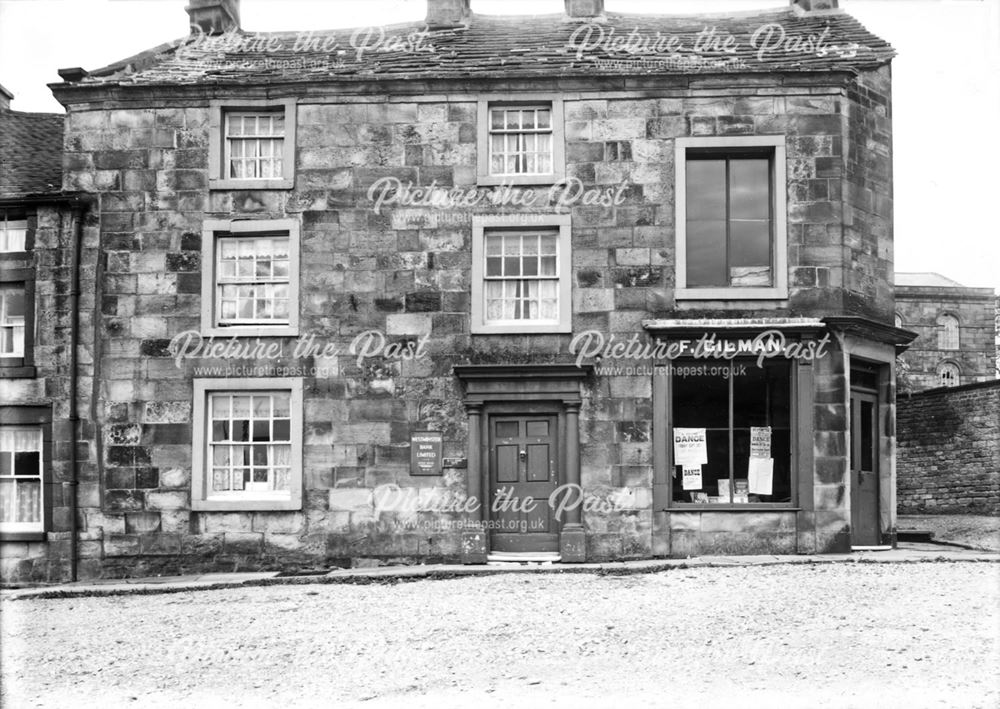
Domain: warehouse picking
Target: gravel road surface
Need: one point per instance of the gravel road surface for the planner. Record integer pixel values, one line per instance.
(838, 635)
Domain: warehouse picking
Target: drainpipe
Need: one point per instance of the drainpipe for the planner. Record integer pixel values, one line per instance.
(74, 337)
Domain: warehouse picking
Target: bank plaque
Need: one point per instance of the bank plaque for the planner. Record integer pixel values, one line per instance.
(425, 453)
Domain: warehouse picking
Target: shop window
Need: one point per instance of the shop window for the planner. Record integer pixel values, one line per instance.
(252, 144)
(250, 278)
(949, 375)
(727, 408)
(13, 235)
(948, 337)
(731, 241)
(520, 142)
(248, 444)
(521, 279)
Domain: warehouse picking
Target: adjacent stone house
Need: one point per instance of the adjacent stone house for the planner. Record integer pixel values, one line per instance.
(580, 287)
(48, 248)
(956, 330)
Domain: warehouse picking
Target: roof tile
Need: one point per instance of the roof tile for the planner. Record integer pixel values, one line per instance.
(30, 152)
(516, 47)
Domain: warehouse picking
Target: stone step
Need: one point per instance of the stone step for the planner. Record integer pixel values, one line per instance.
(914, 535)
(521, 557)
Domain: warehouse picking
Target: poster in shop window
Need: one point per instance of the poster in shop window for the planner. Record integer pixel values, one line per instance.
(761, 472)
(690, 448)
(761, 467)
(692, 478)
(760, 442)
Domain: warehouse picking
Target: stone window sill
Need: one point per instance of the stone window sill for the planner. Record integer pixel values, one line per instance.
(17, 372)
(246, 505)
(22, 536)
(731, 294)
(245, 185)
(546, 180)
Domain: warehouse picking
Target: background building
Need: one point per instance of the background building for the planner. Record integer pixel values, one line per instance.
(955, 326)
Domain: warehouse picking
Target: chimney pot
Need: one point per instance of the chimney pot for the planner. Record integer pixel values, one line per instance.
(213, 16)
(584, 8)
(447, 13)
(816, 5)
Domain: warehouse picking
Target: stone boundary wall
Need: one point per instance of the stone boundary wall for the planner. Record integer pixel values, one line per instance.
(948, 454)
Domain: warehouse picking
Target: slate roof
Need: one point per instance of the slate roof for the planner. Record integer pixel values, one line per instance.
(513, 47)
(925, 279)
(31, 149)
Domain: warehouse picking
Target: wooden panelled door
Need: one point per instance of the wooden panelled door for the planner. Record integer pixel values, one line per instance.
(864, 470)
(524, 468)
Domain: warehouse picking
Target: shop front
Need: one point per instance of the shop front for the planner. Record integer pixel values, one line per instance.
(765, 437)
(774, 436)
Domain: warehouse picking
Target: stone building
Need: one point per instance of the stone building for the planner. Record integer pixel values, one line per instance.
(956, 330)
(46, 307)
(585, 286)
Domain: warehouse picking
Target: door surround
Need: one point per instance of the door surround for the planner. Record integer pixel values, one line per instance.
(529, 388)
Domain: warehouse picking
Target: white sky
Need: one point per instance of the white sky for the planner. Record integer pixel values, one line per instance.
(946, 86)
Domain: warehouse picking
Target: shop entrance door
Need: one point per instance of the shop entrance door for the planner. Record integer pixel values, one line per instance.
(523, 473)
(864, 470)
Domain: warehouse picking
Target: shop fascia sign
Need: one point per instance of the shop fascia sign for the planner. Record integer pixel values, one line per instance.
(592, 344)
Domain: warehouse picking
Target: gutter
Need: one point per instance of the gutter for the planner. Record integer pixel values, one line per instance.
(77, 200)
(74, 337)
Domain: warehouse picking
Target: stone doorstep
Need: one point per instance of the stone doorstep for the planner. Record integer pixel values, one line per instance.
(102, 587)
(510, 557)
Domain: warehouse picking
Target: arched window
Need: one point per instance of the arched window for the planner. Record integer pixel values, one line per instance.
(948, 374)
(899, 320)
(947, 332)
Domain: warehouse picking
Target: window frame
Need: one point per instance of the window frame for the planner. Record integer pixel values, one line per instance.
(485, 103)
(218, 166)
(5, 220)
(22, 365)
(664, 467)
(942, 325)
(775, 146)
(215, 229)
(561, 224)
(951, 365)
(200, 474)
(33, 417)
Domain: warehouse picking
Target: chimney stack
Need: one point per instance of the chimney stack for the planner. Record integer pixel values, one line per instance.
(815, 5)
(442, 14)
(583, 9)
(5, 98)
(213, 16)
